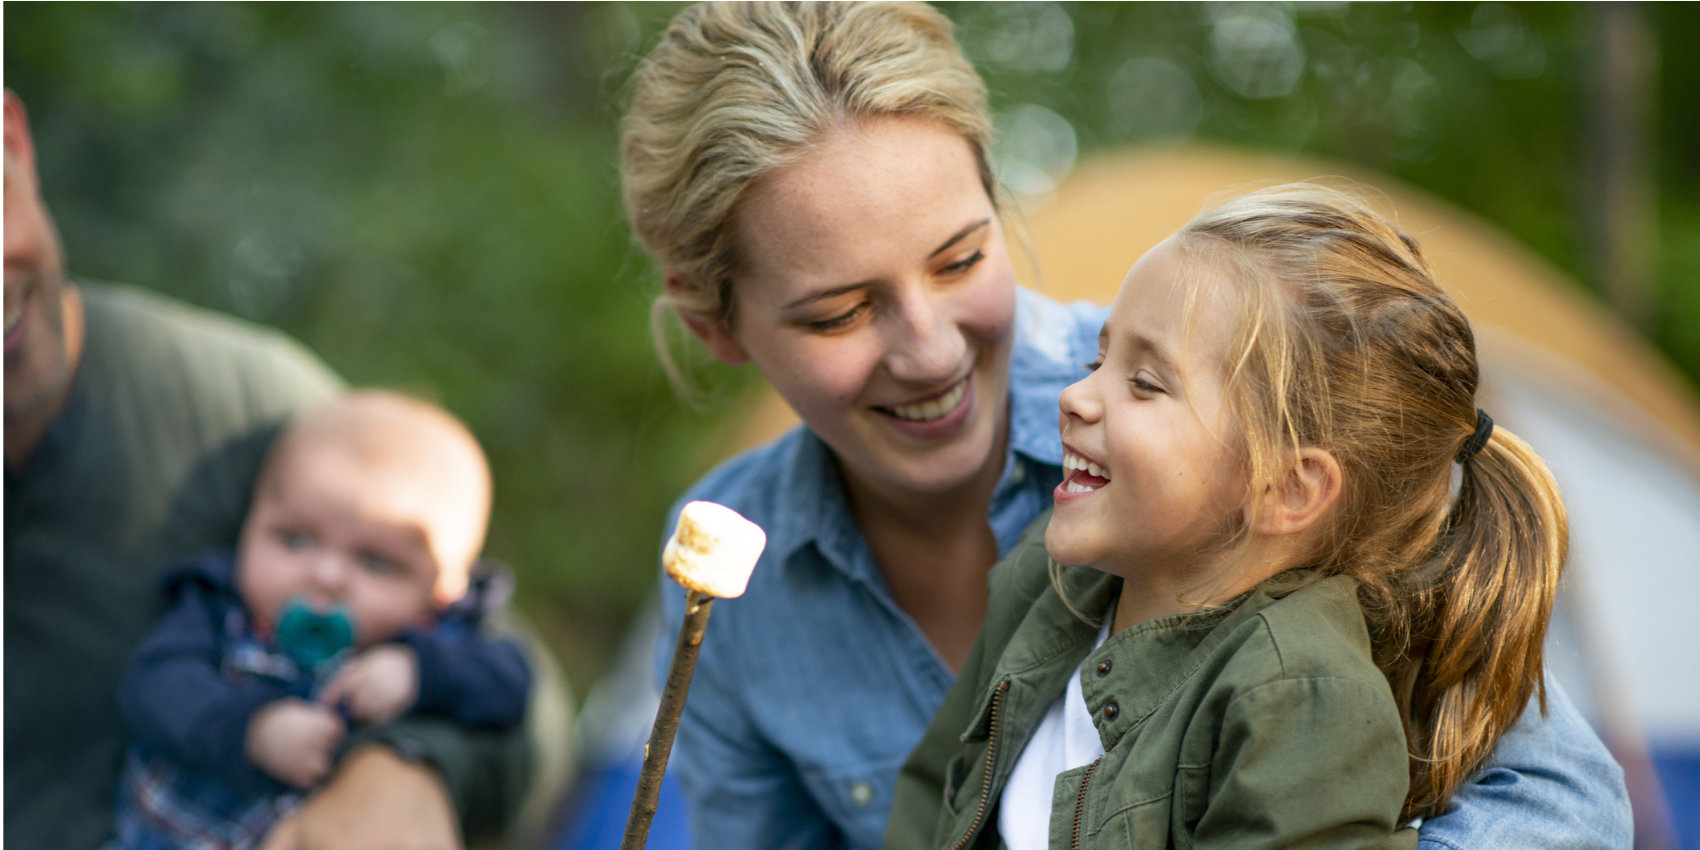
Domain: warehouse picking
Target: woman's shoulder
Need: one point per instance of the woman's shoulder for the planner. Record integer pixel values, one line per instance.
(1052, 336)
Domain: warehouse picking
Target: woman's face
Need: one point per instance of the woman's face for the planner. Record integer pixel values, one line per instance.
(877, 297)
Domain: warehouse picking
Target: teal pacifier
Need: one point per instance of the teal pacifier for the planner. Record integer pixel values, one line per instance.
(311, 638)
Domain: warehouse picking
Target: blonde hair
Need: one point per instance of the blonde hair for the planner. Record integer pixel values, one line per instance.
(1344, 341)
(736, 91)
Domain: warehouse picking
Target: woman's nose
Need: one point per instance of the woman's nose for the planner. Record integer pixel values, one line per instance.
(925, 343)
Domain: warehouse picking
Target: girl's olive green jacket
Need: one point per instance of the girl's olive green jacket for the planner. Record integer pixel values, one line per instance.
(1261, 723)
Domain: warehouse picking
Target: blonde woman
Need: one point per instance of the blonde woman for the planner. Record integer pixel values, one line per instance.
(813, 180)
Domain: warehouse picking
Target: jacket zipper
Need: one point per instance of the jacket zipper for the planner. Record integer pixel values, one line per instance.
(1080, 803)
(991, 755)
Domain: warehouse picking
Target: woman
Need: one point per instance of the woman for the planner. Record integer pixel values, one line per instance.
(813, 180)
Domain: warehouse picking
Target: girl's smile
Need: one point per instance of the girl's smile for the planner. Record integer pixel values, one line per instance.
(1155, 486)
(1084, 475)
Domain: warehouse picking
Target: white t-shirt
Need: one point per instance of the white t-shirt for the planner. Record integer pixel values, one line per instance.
(1066, 739)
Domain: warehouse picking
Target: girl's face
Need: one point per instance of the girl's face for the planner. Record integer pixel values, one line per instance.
(877, 298)
(1155, 478)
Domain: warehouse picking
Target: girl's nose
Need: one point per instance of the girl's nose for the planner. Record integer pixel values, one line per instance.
(925, 343)
(1080, 400)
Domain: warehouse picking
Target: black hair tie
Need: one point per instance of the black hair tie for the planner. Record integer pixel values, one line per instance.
(1484, 429)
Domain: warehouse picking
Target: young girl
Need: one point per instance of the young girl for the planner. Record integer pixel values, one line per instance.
(1320, 576)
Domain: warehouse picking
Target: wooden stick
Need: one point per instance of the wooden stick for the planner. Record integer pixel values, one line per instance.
(660, 745)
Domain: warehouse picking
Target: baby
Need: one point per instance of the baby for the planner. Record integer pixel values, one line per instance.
(350, 601)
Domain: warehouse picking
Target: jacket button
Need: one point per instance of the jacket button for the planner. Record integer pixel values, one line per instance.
(1104, 668)
(1111, 710)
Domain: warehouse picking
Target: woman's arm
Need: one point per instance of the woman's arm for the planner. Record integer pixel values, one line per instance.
(1550, 783)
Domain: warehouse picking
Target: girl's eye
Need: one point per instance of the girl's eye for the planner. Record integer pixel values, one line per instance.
(836, 322)
(1093, 366)
(295, 541)
(1144, 385)
(966, 263)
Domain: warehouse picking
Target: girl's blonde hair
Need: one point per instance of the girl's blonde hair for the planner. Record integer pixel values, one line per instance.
(736, 91)
(1344, 341)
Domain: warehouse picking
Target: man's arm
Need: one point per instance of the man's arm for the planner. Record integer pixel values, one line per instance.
(1549, 783)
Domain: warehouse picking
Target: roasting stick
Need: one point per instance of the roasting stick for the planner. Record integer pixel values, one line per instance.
(712, 553)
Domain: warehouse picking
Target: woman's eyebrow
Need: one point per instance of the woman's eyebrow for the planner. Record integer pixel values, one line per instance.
(826, 293)
(959, 236)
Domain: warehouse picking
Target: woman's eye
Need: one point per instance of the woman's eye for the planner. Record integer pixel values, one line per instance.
(966, 263)
(836, 322)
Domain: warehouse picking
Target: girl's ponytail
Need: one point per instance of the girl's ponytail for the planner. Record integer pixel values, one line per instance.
(1344, 340)
(1484, 624)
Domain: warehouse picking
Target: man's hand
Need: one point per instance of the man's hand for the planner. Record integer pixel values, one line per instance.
(294, 741)
(374, 801)
(378, 684)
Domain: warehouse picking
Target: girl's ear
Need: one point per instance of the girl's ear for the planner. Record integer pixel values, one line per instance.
(711, 330)
(1305, 495)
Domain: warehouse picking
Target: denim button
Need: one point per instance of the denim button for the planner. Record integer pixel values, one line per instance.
(1111, 710)
(1104, 668)
(861, 793)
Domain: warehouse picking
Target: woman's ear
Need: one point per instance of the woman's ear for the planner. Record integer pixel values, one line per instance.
(1306, 494)
(712, 330)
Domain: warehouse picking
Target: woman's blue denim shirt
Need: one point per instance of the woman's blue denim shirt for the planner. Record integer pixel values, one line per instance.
(812, 687)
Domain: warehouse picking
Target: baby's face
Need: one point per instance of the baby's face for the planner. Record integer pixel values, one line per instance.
(330, 530)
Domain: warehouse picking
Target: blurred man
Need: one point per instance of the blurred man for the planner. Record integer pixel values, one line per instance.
(134, 428)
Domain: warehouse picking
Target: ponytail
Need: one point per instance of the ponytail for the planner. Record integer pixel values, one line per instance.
(1344, 340)
(1479, 627)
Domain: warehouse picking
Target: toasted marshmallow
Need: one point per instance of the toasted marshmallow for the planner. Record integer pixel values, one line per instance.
(713, 550)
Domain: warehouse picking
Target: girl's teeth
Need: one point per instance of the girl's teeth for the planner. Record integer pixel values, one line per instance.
(1072, 461)
(929, 410)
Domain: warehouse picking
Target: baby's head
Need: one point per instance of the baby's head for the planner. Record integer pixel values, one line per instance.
(376, 502)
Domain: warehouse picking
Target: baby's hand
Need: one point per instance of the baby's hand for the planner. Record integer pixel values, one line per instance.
(294, 741)
(377, 685)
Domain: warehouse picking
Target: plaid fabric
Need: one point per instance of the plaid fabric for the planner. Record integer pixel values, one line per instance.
(161, 807)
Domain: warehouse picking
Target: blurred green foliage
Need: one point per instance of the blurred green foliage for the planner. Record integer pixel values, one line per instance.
(427, 194)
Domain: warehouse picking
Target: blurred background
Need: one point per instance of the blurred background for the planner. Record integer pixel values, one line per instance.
(427, 194)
